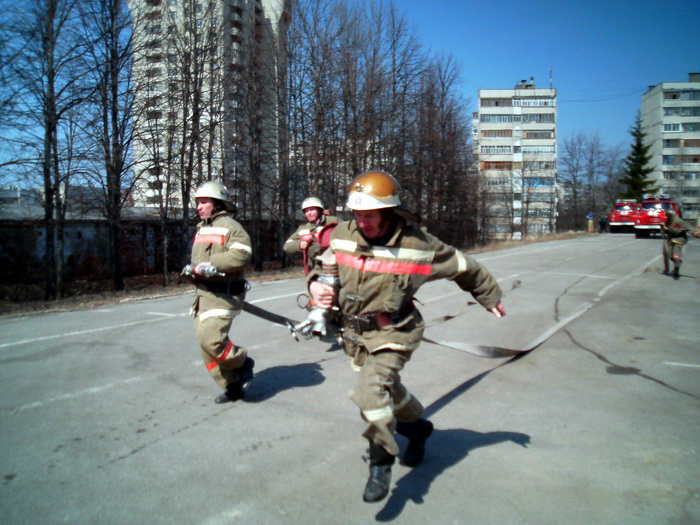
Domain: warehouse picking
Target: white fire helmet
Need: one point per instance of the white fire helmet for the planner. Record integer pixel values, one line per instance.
(311, 202)
(216, 190)
(373, 190)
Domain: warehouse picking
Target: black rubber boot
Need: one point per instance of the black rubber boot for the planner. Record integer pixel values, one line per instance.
(380, 462)
(232, 394)
(245, 374)
(676, 274)
(417, 433)
(236, 391)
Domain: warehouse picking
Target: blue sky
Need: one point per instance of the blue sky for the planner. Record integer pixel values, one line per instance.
(604, 54)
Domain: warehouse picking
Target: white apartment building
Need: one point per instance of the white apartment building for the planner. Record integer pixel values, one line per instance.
(515, 141)
(192, 82)
(671, 122)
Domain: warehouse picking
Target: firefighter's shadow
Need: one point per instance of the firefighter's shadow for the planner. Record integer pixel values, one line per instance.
(272, 381)
(444, 449)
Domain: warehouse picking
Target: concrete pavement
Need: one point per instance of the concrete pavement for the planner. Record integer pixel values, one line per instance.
(106, 415)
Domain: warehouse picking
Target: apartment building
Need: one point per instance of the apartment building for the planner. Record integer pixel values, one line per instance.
(205, 77)
(671, 122)
(515, 141)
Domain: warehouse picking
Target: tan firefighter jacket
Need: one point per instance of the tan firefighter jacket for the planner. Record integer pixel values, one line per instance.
(221, 241)
(292, 245)
(384, 279)
(676, 228)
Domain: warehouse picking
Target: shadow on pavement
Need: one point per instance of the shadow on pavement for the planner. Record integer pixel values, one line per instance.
(271, 381)
(444, 449)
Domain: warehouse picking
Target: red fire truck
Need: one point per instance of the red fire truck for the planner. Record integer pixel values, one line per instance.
(653, 214)
(623, 215)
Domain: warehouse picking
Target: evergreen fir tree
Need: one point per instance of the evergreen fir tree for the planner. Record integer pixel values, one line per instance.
(637, 166)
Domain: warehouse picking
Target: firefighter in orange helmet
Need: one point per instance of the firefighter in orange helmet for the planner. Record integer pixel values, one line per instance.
(382, 260)
(304, 240)
(222, 243)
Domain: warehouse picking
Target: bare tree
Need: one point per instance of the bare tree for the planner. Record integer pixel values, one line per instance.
(47, 71)
(107, 30)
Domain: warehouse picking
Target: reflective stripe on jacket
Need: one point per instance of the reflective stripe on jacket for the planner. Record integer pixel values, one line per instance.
(384, 279)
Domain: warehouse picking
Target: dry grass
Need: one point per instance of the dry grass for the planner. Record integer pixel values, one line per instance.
(24, 299)
(501, 245)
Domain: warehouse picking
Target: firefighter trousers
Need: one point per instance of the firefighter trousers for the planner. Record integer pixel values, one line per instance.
(382, 398)
(672, 255)
(212, 323)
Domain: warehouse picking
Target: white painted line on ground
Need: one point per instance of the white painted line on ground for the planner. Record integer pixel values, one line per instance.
(588, 305)
(685, 365)
(79, 332)
(95, 389)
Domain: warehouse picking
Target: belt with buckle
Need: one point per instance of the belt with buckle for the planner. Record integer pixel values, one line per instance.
(374, 321)
(223, 287)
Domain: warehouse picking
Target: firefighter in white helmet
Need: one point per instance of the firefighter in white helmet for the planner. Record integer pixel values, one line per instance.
(222, 243)
(304, 241)
(382, 260)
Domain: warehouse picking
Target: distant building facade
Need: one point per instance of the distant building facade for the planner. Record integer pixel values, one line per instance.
(192, 74)
(515, 141)
(671, 121)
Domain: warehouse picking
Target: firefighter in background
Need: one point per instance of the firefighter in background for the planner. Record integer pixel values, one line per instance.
(304, 241)
(382, 260)
(675, 235)
(221, 242)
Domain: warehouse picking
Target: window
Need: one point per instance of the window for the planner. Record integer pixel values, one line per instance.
(539, 181)
(495, 102)
(534, 102)
(496, 150)
(684, 111)
(497, 181)
(499, 118)
(539, 117)
(538, 134)
(691, 126)
(691, 143)
(497, 133)
(539, 150)
(693, 94)
(539, 212)
(691, 193)
(496, 165)
(540, 197)
(538, 165)
(670, 160)
(672, 127)
(672, 143)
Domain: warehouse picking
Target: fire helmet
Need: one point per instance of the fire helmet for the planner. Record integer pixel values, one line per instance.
(216, 190)
(373, 190)
(311, 202)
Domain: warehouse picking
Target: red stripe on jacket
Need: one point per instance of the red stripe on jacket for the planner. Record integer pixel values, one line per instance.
(378, 266)
(209, 238)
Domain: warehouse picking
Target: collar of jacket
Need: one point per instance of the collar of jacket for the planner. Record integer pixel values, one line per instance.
(364, 244)
(213, 216)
